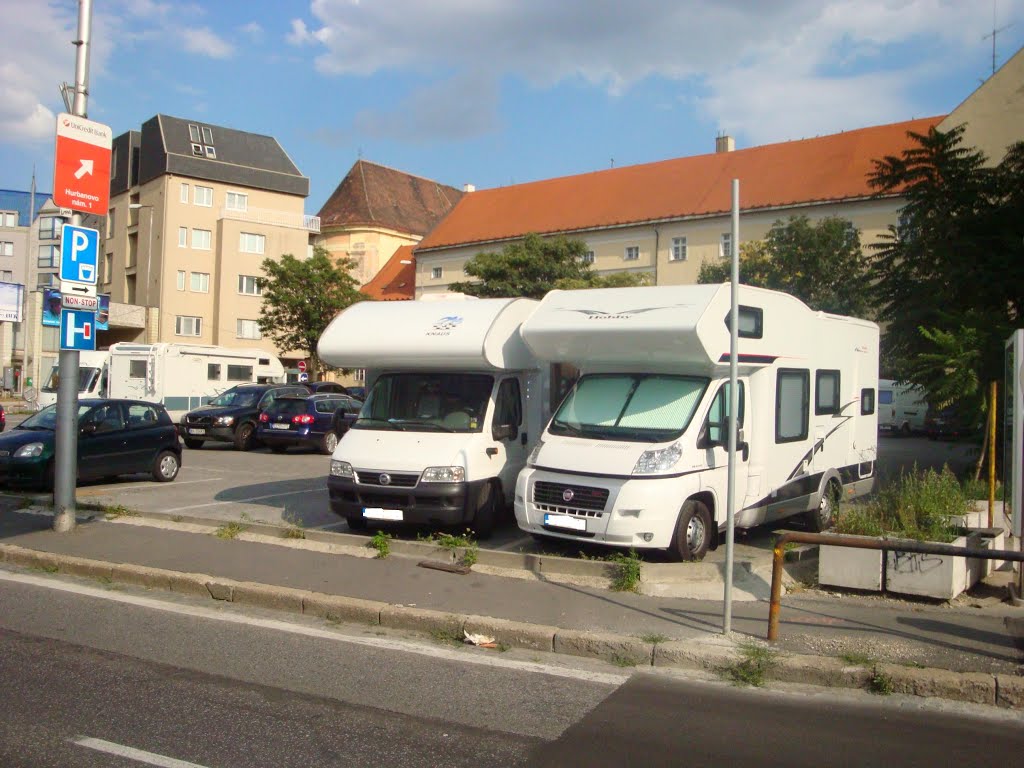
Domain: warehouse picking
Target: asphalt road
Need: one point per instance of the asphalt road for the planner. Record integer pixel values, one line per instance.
(91, 674)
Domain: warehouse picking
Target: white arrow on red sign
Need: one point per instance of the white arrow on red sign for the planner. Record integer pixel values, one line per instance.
(87, 166)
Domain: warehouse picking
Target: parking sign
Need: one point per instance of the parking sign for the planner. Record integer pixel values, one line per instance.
(78, 330)
(79, 254)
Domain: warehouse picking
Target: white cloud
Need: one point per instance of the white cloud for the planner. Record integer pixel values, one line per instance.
(254, 31)
(206, 42)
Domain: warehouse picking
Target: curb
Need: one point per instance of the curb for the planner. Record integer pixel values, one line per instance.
(707, 655)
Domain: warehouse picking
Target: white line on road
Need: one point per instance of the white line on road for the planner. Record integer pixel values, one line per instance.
(141, 486)
(244, 501)
(383, 643)
(141, 756)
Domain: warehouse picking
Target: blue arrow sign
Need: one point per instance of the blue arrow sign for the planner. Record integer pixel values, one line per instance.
(78, 330)
(79, 254)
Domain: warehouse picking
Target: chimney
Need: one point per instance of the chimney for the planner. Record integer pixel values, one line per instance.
(724, 143)
(469, 187)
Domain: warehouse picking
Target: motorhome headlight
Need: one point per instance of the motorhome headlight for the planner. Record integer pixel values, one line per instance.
(443, 475)
(29, 450)
(342, 469)
(658, 461)
(532, 460)
(224, 421)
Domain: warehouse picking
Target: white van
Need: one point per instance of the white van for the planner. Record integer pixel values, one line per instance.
(92, 379)
(455, 403)
(901, 407)
(637, 453)
(185, 376)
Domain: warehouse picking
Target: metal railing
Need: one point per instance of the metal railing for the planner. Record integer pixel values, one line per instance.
(273, 218)
(867, 542)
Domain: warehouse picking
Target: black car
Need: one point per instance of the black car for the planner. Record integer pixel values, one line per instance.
(324, 387)
(232, 416)
(115, 437)
(316, 421)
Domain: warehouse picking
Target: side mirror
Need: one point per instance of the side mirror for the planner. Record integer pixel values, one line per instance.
(503, 431)
(89, 429)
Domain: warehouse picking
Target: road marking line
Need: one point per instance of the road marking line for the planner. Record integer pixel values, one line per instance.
(141, 756)
(115, 489)
(381, 643)
(244, 501)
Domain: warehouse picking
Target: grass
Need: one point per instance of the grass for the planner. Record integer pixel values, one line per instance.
(294, 532)
(880, 683)
(621, 660)
(114, 511)
(978, 489)
(654, 638)
(627, 571)
(754, 666)
(46, 568)
(229, 530)
(455, 542)
(382, 543)
(857, 659)
(447, 636)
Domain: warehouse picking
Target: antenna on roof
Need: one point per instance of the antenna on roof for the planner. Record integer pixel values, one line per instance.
(994, 33)
(613, 162)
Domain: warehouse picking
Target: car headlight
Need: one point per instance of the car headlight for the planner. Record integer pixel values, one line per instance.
(531, 461)
(224, 421)
(444, 475)
(29, 450)
(658, 461)
(342, 469)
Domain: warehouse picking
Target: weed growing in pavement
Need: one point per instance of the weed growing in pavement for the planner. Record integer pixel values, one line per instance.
(653, 638)
(48, 568)
(621, 660)
(229, 530)
(503, 647)
(627, 571)
(382, 543)
(294, 532)
(881, 683)
(753, 668)
(447, 636)
(114, 511)
(177, 518)
(857, 659)
(455, 542)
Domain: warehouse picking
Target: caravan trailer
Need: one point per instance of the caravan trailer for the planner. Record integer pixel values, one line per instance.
(637, 453)
(455, 403)
(92, 379)
(185, 376)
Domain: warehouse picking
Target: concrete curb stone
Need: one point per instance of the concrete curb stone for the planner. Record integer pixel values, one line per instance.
(220, 590)
(422, 620)
(190, 584)
(820, 670)
(141, 576)
(603, 645)
(688, 654)
(975, 687)
(515, 634)
(339, 608)
(1010, 691)
(266, 596)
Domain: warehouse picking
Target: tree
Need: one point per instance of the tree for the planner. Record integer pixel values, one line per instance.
(535, 265)
(302, 296)
(822, 264)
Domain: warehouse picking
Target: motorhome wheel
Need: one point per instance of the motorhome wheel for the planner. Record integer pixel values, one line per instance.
(693, 532)
(822, 518)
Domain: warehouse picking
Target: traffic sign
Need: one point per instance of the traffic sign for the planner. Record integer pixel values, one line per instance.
(302, 366)
(88, 303)
(68, 288)
(81, 165)
(79, 254)
(303, 377)
(78, 330)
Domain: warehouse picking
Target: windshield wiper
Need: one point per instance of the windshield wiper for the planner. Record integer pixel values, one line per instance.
(366, 419)
(418, 423)
(572, 429)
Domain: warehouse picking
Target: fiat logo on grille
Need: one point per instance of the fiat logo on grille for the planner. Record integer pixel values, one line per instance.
(567, 494)
(385, 479)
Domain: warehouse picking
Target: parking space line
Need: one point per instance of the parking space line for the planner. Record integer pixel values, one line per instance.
(514, 543)
(112, 489)
(244, 501)
(329, 526)
(138, 755)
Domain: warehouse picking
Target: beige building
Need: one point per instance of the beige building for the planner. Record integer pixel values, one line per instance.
(194, 210)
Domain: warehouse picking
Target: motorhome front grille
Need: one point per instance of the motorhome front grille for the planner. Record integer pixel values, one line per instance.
(573, 496)
(568, 510)
(389, 479)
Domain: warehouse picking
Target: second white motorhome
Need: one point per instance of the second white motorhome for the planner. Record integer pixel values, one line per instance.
(92, 379)
(637, 453)
(455, 402)
(185, 376)
(901, 407)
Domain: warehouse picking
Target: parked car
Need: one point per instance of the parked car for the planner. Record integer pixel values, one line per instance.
(115, 437)
(324, 387)
(3, 419)
(232, 416)
(317, 421)
(949, 422)
(359, 393)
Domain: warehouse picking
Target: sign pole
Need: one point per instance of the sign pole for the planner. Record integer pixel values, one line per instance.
(734, 397)
(66, 442)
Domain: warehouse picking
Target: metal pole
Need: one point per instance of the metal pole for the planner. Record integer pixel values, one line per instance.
(66, 443)
(734, 398)
(992, 407)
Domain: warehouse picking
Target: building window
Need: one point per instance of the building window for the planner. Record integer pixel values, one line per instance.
(236, 201)
(435, 273)
(248, 329)
(184, 193)
(137, 369)
(588, 257)
(108, 267)
(207, 135)
(183, 237)
(725, 247)
(188, 326)
(197, 150)
(8, 219)
(49, 227)
(201, 239)
(632, 253)
(49, 256)
(249, 285)
(678, 249)
(6, 248)
(6, 276)
(199, 282)
(239, 373)
(193, 133)
(213, 371)
(211, 153)
(203, 196)
(181, 279)
(250, 243)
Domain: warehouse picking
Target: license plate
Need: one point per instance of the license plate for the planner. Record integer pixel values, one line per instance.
(377, 513)
(565, 521)
(197, 431)
(280, 426)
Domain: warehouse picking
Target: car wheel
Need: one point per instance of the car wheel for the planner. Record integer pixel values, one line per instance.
(692, 537)
(356, 523)
(190, 443)
(245, 436)
(824, 517)
(486, 513)
(905, 430)
(278, 448)
(329, 443)
(166, 466)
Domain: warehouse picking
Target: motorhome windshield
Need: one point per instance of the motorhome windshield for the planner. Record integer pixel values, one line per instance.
(86, 379)
(427, 402)
(648, 408)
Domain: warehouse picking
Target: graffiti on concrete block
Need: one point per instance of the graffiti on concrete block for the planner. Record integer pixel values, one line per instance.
(914, 562)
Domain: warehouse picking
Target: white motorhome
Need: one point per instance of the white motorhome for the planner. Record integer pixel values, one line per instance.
(901, 407)
(455, 403)
(637, 453)
(185, 376)
(92, 379)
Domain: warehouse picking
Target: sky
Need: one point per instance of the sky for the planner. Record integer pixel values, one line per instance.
(494, 92)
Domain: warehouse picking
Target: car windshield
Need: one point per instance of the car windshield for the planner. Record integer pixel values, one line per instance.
(46, 419)
(427, 402)
(86, 379)
(241, 398)
(648, 408)
(288, 406)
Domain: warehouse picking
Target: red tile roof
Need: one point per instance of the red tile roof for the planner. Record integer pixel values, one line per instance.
(378, 196)
(395, 281)
(823, 169)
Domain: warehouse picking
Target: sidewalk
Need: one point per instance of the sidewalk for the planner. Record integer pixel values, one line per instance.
(978, 636)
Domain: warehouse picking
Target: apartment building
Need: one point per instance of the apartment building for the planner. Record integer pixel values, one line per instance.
(195, 209)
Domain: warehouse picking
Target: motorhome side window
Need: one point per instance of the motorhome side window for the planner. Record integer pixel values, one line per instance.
(716, 431)
(867, 402)
(751, 324)
(213, 371)
(137, 369)
(826, 392)
(239, 373)
(509, 408)
(792, 405)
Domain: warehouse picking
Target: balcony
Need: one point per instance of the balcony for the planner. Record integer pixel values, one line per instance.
(273, 218)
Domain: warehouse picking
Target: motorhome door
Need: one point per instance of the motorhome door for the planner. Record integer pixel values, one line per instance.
(507, 432)
(714, 437)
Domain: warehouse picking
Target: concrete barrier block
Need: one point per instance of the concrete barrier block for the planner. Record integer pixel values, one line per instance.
(976, 687)
(1010, 691)
(422, 620)
(190, 584)
(141, 576)
(339, 608)
(694, 654)
(514, 634)
(568, 566)
(266, 596)
(422, 549)
(617, 649)
(522, 561)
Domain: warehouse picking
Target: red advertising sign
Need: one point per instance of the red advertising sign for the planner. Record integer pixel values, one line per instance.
(81, 165)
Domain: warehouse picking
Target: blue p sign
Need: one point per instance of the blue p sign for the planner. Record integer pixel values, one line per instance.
(79, 254)
(78, 330)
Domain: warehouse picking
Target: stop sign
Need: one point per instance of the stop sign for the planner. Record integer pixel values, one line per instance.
(302, 366)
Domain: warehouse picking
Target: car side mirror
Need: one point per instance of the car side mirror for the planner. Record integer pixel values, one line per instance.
(503, 431)
(89, 429)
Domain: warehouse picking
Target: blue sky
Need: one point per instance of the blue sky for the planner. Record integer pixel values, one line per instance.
(495, 92)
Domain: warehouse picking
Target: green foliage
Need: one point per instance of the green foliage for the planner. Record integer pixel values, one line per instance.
(622, 660)
(917, 506)
(821, 263)
(978, 489)
(531, 267)
(627, 571)
(455, 542)
(881, 683)
(857, 659)
(114, 511)
(753, 668)
(654, 638)
(382, 543)
(302, 296)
